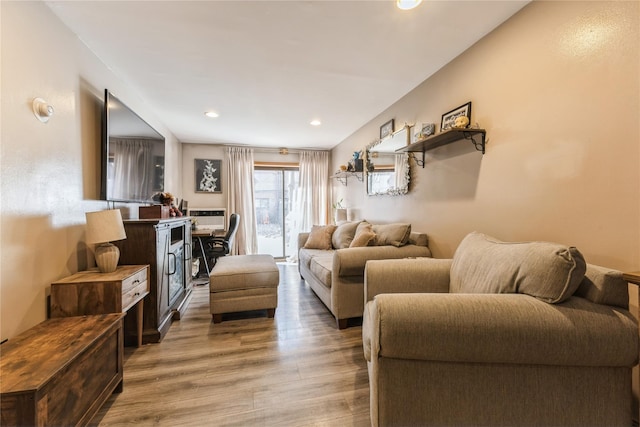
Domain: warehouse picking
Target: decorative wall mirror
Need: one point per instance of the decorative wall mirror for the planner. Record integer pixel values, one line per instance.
(388, 171)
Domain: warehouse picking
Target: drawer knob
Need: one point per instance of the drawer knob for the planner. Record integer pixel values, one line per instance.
(135, 282)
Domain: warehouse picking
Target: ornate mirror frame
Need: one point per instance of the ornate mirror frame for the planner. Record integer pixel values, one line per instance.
(387, 147)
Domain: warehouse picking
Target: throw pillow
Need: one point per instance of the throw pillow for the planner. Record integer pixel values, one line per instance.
(547, 271)
(392, 234)
(364, 236)
(344, 234)
(320, 237)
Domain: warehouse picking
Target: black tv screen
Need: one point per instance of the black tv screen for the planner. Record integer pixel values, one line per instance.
(132, 155)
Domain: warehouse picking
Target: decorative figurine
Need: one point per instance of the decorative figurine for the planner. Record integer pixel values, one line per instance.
(461, 122)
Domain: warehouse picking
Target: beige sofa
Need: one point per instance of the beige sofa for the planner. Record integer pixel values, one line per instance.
(502, 334)
(334, 268)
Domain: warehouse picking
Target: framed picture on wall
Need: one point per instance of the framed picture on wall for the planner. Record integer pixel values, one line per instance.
(208, 177)
(386, 129)
(449, 119)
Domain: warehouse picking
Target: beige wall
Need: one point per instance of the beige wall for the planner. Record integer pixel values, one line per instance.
(192, 151)
(50, 172)
(557, 89)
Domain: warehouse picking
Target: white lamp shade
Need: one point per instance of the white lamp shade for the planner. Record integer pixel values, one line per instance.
(105, 226)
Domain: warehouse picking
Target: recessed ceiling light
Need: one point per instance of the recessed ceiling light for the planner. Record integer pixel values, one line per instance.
(407, 4)
(315, 123)
(211, 114)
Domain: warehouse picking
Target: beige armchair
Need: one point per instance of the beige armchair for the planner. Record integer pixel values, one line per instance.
(459, 342)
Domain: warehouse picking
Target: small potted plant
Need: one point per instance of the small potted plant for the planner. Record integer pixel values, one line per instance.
(341, 211)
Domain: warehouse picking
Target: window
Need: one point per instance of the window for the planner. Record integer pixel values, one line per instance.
(275, 190)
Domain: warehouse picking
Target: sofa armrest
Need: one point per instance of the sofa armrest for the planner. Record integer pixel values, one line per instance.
(500, 328)
(423, 275)
(351, 261)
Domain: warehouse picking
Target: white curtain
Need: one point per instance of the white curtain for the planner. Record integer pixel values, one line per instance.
(239, 176)
(314, 188)
(132, 161)
(293, 222)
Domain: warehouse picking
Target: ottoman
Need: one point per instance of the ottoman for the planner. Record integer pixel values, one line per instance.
(243, 283)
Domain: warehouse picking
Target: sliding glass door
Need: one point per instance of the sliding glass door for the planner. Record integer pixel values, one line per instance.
(275, 194)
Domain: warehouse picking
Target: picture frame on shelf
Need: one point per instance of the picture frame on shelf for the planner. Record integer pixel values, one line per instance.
(386, 129)
(423, 130)
(449, 118)
(428, 129)
(208, 176)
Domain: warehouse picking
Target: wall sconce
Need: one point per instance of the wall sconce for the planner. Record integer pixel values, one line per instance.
(284, 151)
(42, 110)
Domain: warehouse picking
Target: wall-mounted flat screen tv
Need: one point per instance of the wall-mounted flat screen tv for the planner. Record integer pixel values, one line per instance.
(132, 155)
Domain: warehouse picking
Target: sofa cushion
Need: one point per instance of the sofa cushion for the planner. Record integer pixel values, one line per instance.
(320, 237)
(547, 271)
(344, 234)
(392, 234)
(321, 268)
(306, 255)
(364, 236)
(604, 286)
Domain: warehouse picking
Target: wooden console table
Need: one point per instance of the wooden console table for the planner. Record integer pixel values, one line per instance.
(165, 245)
(61, 371)
(92, 292)
(633, 277)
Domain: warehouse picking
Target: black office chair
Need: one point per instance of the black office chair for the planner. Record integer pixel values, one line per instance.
(216, 247)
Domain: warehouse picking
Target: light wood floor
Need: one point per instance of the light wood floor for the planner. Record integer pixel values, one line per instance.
(295, 370)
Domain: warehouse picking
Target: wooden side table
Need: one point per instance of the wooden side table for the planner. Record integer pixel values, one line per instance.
(92, 292)
(633, 277)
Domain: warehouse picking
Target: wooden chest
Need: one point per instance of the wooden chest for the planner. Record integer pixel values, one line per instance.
(153, 212)
(61, 371)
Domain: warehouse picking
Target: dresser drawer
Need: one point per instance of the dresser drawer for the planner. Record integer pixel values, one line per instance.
(132, 296)
(134, 280)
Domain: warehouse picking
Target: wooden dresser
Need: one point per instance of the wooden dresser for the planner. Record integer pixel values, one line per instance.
(92, 292)
(164, 244)
(61, 371)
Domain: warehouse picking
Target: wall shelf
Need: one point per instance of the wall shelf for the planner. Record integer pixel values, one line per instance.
(343, 176)
(476, 136)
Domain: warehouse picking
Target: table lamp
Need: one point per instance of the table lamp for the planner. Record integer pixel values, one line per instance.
(104, 227)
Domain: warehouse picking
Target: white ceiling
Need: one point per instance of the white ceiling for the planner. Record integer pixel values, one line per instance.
(270, 67)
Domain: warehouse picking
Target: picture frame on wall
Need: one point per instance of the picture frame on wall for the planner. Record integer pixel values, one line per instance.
(386, 129)
(208, 178)
(449, 118)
